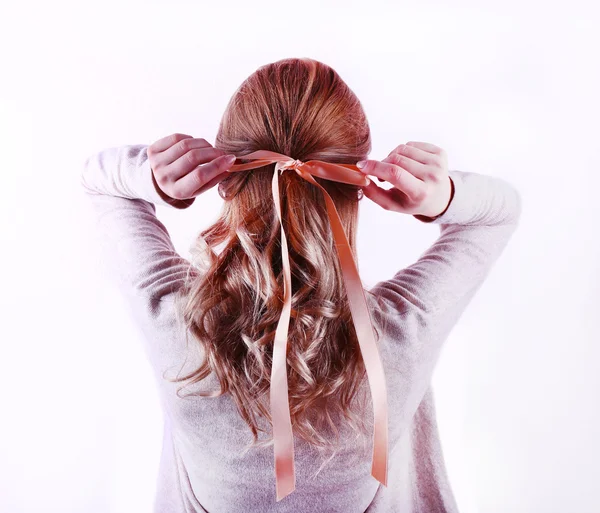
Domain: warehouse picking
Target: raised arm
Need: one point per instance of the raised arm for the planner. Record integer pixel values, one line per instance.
(419, 305)
(477, 225)
(121, 192)
(422, 302)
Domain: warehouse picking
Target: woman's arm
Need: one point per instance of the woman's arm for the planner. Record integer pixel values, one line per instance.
(482, 215)
(423, 302)
(122, 193)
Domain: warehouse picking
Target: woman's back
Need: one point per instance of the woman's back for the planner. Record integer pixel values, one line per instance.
(202, 468)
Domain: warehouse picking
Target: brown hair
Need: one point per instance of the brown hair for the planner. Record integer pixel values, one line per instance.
(303, 109)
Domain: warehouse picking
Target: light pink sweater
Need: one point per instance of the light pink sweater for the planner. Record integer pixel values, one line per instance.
(202, 468)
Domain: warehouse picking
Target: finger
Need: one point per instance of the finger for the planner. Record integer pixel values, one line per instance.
(431, 148)
(212, 183)
(417, 169)
(415, 153)
(167, 142)
(180, 148)
(190, 160)
(198, 180)
(390, 199)
(396, 175)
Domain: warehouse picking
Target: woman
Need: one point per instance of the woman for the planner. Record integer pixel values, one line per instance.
(210, 324)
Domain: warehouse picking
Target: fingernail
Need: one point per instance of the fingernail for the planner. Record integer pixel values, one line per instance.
(230, 159)
(361, 164)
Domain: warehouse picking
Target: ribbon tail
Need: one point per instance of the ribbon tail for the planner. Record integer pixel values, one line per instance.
(366, 338)
(283, 439)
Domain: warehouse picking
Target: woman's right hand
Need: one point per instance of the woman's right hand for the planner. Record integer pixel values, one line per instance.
(418, 172)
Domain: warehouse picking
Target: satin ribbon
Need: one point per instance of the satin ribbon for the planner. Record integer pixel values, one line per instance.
(282, 426)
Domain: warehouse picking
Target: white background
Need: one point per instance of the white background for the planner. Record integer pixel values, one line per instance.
(509, 90)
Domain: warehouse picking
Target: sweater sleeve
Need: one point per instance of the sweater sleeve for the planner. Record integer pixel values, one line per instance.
(422, 302)
(474, 230)
(121, 192)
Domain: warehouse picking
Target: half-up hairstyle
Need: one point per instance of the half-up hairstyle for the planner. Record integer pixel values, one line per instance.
(303, 109)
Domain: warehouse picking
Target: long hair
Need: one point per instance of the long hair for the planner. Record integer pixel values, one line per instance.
(303, 109)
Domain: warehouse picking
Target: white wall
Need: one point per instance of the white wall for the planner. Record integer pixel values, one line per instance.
(510, 91)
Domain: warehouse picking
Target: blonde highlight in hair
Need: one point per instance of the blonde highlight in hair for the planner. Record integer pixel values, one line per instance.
(303, 109)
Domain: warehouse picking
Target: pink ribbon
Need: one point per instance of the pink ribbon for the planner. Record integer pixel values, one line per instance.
(282, 426)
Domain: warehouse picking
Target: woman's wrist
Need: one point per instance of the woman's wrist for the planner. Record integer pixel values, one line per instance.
(427, 219)
(177, 203)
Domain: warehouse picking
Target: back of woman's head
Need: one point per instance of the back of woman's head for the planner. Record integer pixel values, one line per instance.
(303, 109)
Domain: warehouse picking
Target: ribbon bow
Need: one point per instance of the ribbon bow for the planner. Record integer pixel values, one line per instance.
(282, 427)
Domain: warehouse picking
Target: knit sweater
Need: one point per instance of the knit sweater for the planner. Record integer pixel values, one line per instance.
(203, 466)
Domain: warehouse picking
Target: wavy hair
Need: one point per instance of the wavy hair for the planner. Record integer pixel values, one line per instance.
(302, 108)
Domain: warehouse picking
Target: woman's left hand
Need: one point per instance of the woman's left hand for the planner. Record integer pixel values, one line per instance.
(185, 167)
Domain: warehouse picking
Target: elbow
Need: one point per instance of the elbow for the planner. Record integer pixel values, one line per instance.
(517, 206)
(512, 206)
(86, 169)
